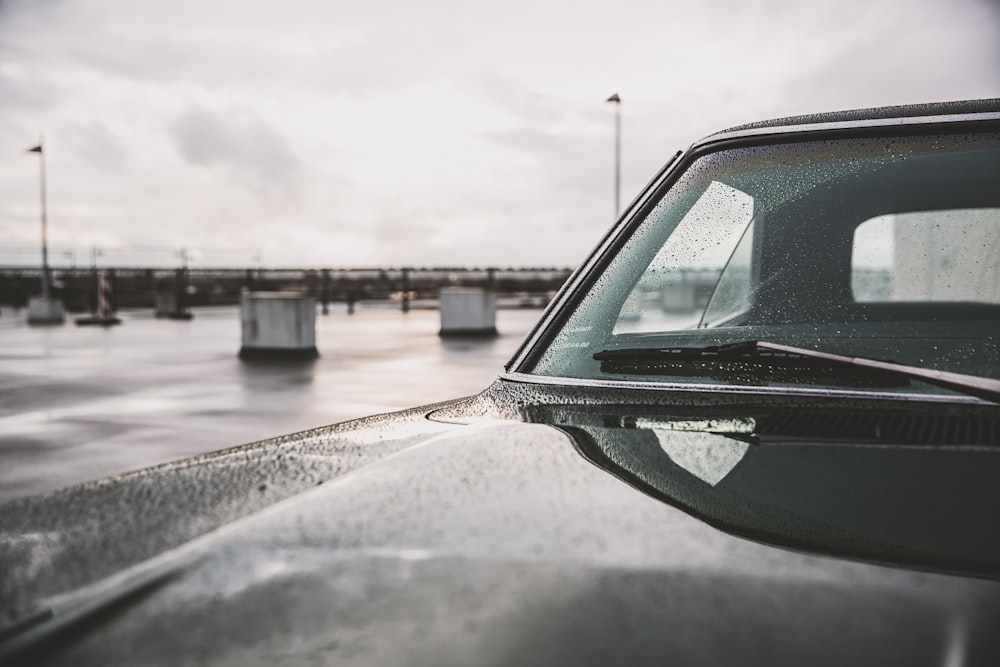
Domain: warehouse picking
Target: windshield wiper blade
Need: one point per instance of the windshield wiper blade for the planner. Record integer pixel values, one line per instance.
(971, 385)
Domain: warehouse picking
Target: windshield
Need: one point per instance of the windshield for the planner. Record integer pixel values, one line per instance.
(882, 247)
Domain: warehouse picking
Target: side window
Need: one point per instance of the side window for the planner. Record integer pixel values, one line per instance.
(945, 256)
(676, 286)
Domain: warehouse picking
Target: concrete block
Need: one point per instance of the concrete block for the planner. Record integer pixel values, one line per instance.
(165, 303)
(45, 310)
(467, 311)
(278, 325)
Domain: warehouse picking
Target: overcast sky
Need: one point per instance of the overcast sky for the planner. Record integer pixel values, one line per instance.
(392, 132)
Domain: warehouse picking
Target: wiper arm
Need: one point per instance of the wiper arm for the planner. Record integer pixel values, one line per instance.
(971, 385)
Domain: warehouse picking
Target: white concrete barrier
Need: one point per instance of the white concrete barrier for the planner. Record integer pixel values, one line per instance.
(278, 325)
(467, 311)
(45, 310)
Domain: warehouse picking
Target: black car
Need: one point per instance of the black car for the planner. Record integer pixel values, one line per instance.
(759, 425)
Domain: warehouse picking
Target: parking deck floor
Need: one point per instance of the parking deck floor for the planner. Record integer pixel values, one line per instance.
(80, 403)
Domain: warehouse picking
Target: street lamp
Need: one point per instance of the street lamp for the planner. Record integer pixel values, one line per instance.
(45, 243)
(43, 309)
(618, 151)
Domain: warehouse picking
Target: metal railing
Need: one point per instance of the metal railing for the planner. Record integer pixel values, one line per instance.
(137, 286)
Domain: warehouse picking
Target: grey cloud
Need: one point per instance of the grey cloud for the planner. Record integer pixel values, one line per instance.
(236, 46)
(97, 75)
(905, 57)
(571, 172)
(28, 95)
(531, 106)
(122, 41)
(573, 168)
(581, 159)
(96, 144)
(238, 140)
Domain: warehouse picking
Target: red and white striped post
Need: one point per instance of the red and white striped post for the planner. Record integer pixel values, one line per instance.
(104, 296)
(104, 316)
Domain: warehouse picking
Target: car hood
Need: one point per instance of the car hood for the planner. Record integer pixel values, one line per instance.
(489, 542)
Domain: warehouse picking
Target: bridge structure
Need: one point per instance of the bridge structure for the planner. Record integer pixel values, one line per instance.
(138, 287)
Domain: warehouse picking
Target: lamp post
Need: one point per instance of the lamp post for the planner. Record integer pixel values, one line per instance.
(618, 151)
(44, 309)
(45, 242)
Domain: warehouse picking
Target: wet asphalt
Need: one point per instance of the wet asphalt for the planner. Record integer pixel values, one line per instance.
(81, 403)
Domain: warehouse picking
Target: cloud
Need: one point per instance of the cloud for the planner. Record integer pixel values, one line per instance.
(417, 132)
(900, 57)
(96, 144)
(20, 91)
(239, 141)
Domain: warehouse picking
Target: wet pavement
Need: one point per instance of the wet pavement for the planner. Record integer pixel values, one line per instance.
(80, 403)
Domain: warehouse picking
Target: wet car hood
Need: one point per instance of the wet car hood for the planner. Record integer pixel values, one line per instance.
(407, 540)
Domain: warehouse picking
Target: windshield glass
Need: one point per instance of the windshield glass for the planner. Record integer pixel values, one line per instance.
(881, 247)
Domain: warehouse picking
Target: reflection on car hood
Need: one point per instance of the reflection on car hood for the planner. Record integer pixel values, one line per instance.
(489, 543)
